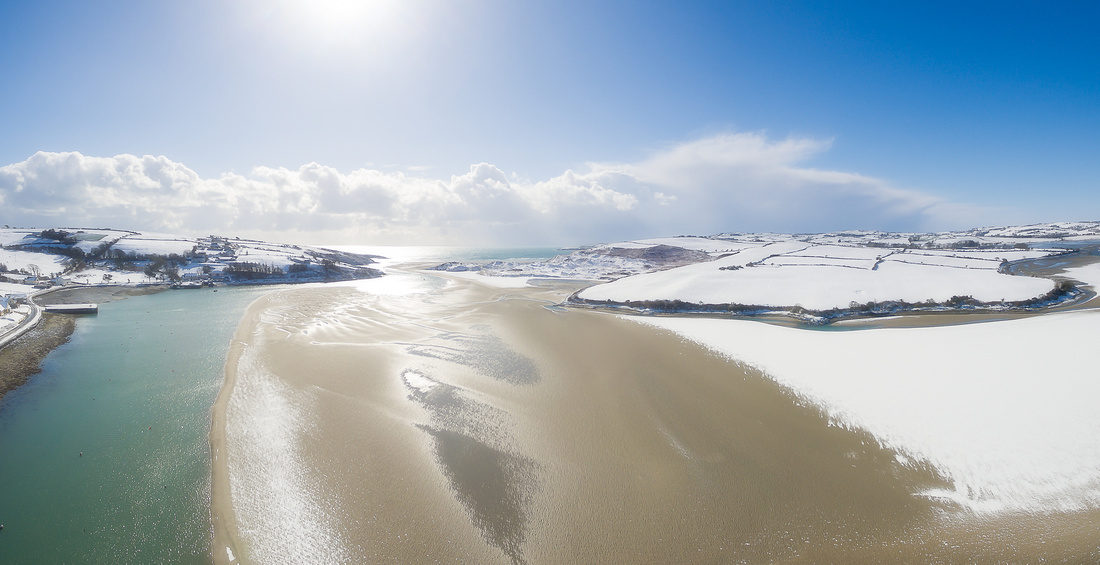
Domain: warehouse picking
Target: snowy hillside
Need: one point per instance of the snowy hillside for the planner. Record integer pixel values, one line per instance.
(823, 277)
(869, 271)
(104, 256)
(598, 262)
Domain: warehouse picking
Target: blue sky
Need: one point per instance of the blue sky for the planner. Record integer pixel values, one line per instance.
(546, 122)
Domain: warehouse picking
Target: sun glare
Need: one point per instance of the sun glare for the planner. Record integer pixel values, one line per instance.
(321, 26)
(340, 16)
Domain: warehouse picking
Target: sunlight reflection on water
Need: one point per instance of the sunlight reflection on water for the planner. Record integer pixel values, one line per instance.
(394, 254)
(398, 284)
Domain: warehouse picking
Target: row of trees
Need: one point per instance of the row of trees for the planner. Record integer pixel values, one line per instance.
(60, 236)
(251, 271)
(247, 270)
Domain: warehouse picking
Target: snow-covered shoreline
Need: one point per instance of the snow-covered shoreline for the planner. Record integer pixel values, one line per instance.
(1005, 409)
(817, 278)
(876, 310)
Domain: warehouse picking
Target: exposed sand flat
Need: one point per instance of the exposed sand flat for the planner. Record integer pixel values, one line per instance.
(223, 519)
(466, 423)
(94, 294)
(425, 419)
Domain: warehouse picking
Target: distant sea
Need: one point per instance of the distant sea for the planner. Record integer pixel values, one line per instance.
(442, 253)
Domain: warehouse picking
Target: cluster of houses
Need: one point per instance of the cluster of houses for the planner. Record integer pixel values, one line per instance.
(11, 300)
(8, 302)
(35, 281)
(215, 249)
(208, 258)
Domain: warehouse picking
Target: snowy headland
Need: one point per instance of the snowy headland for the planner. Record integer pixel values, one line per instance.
(66, 256)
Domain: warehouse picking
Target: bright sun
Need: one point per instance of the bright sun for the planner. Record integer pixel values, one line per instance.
(323, 25)
(341, 15)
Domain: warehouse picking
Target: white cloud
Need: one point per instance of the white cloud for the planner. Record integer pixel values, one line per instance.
(731, 182)
(744, 182)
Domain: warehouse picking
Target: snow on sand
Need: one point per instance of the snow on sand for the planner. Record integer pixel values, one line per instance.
(1006, 410)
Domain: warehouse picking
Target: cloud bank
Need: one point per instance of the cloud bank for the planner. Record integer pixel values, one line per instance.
(732, 182)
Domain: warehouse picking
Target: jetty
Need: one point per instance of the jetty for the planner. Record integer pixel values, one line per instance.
(72, 308)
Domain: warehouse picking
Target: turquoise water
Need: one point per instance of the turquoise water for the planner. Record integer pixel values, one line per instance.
(132, 390)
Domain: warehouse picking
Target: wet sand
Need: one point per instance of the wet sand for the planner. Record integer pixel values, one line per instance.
(478, 425)
(94, 294)
(222, 518)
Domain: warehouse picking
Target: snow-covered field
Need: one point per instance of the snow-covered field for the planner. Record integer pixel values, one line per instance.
(146, 244)
(22, 260)
(1005, 410)
(839, 270)
(7, 288)
(97, 276)
(818, 272)
(1053, 230)
(822, 278)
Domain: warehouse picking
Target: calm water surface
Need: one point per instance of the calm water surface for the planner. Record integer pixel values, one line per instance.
(132, 391)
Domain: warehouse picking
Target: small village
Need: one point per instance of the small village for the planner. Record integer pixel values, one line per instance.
(36, 262)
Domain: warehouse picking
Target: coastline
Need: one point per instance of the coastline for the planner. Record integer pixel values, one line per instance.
(22, 358)
(132, 390)
(95, 294)
(224, 544)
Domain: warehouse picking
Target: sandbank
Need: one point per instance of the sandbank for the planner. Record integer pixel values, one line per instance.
(224, 546)
(476, 424)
